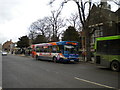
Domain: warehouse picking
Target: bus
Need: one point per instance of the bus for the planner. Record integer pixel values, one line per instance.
(108, 52)
(63, 51)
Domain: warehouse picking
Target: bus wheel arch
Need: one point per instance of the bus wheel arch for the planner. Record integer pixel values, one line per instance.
(36, 57)
(115, 65)
(54, 59)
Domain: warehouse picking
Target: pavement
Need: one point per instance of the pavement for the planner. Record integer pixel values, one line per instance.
(23, 55)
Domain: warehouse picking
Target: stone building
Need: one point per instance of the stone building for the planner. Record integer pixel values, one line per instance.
(7, 46)
(103, 22)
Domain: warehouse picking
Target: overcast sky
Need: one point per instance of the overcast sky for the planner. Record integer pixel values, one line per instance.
(17, 15)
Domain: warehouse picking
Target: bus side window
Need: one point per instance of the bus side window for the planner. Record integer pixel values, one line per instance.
(41, 49)
(50, 49)
(37, 49)
(60, 48)
(47, 49)
(54, 49)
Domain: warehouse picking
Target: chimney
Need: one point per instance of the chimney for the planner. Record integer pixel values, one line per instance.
(10, 40)
(105, 5)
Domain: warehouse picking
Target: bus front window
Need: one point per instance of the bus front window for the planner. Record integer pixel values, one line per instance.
(70, 49)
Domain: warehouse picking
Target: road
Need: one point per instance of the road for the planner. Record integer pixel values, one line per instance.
(25, 72)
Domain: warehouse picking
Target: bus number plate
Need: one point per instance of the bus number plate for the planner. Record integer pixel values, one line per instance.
(72, 60)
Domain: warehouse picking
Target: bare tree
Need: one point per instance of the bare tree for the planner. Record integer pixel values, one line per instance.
(116, 2)
(56, 24)
(32, 34)
(82, 16)
(39, 26)
(74, 21)
(49, 26)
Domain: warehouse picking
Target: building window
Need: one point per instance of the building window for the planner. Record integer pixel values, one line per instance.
(93, 38)
(99, 31)
(119, 28)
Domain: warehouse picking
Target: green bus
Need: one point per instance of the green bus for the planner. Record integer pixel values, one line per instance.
(107, 52)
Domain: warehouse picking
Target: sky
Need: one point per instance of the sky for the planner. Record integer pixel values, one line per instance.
(16, 16)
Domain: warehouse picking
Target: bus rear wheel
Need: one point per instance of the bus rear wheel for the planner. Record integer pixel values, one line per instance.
(37, 58)
(115, 66)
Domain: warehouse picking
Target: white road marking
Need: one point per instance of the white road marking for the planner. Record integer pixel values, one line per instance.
(94, 83)
(0, 88)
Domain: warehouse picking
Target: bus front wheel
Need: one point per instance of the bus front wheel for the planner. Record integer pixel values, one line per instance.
(55, 59)
(115, 66)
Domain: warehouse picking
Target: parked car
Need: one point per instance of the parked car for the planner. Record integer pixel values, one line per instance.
(4, 53)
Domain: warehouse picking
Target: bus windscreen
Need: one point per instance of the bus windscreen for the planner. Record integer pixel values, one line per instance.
(70, 49)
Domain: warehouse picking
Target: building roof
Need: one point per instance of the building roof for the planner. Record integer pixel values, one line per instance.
(101, 15)
(7, 43)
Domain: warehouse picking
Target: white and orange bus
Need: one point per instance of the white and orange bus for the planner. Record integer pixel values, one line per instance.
(64, 51)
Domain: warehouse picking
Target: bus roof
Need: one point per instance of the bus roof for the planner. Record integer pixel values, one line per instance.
(57, 43)
(108, 38)
(67, 42)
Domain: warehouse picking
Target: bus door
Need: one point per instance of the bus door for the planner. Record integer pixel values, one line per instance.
(46, 53)
(102, 53)
(49, 54)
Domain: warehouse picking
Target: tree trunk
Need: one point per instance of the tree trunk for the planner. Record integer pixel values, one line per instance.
(87, 45)
(87, 48)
